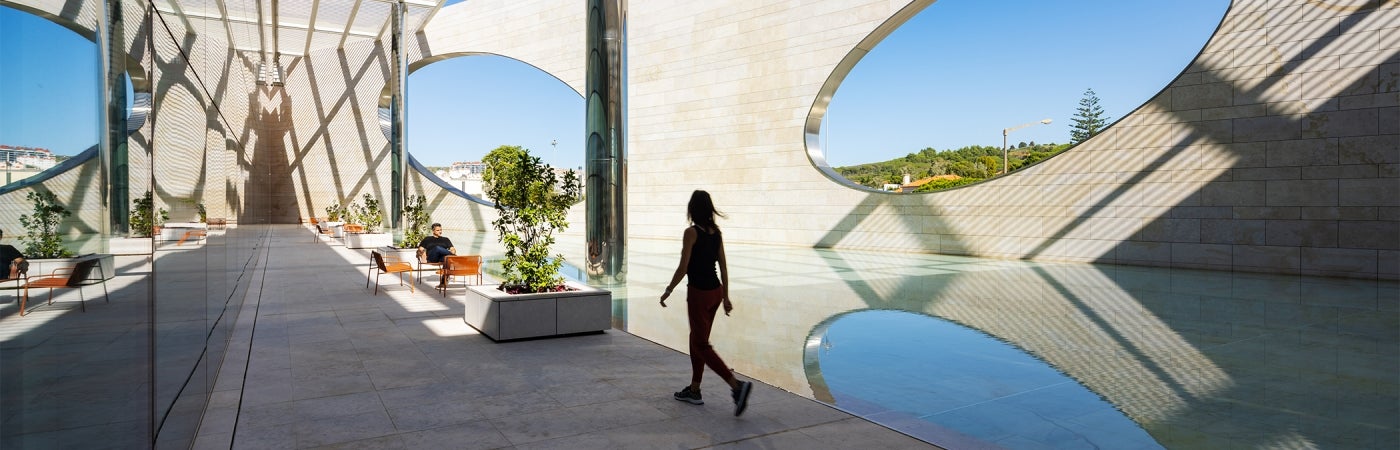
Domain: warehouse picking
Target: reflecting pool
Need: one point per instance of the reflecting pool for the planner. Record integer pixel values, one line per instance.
(969, 352)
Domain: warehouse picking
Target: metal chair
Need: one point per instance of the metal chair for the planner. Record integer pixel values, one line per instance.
(388, 264)
(423, 261)
(77, 276)
(464, 266)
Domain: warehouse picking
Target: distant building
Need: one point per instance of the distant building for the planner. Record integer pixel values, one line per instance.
(17, 157)
(465, 175)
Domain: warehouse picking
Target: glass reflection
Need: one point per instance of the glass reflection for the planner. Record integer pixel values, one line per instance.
(74, 371)
(943, 382)
(1196, 359)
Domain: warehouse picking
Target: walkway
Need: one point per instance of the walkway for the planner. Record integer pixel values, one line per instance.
(321, 362)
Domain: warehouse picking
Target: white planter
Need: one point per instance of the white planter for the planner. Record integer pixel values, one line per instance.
(501, 316)
(46, 266)
(129, 246)
(189, 231)
(368, 240)
(336, 227)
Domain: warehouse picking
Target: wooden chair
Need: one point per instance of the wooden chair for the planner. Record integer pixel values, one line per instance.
(77, 276)
(388, 264)
(464, 266)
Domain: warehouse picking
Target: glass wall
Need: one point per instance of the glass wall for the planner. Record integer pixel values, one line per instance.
(204, 253)
(156, 199)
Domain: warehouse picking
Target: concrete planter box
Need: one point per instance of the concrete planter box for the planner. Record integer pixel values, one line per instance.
(129, 246)
(368, 240)
(46, 266)
(501, 316)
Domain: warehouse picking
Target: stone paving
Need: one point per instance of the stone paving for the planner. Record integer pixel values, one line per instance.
(319, 361)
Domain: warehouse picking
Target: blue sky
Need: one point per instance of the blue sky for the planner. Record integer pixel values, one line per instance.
(955, 75)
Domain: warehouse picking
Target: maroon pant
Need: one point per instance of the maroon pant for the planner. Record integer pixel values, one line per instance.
(700, 307)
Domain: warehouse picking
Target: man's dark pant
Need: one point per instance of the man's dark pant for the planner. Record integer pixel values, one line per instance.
(436, 254)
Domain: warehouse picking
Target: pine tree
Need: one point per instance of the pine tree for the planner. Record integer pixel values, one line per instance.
(1089, 119)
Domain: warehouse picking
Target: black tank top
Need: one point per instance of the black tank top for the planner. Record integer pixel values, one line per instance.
(703, 256)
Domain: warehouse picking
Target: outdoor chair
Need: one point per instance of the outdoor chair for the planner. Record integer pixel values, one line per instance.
(464, 266)
(18, 284)
(388, 264)
(196, 233)
(423, 261)
(77, 276)
(319, 230)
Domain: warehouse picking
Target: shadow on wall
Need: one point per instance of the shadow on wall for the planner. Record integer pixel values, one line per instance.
(269, 186)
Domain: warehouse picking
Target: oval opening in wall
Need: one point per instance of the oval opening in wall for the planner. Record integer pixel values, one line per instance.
(964, 91)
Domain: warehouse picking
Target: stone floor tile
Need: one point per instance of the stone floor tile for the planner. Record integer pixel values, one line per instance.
(465, 436)
(335, 430)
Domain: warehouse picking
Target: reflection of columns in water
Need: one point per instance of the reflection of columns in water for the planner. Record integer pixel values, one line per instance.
(112, 130)
(397, 149)
(605, 140)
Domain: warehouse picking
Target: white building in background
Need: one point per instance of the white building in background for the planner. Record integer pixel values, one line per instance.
(465, 175)
(17, 157)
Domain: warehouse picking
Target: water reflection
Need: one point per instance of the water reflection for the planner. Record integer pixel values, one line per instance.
(926, 374)
(1194, 358)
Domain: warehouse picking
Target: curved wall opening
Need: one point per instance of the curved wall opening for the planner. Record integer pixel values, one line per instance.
(959, 92)
(42, 86)
(460, 107)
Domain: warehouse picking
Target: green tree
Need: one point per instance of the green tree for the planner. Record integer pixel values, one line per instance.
(41, 239)
(532, 201)
(143, 223)
(416, 221)
(1089, 119)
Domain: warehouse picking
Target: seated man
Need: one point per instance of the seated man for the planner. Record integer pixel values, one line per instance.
(433, 248)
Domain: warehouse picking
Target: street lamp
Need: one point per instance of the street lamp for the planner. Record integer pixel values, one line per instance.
(1005, 166)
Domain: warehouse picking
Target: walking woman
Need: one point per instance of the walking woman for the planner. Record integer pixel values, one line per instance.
(702, 250)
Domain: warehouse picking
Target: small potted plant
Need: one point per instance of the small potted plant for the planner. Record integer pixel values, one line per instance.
(416, 222)
(143, 226)
(371, 219)
(334, 214)
(532, 201)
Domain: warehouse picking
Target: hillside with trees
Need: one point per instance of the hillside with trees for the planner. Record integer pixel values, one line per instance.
(966, 165)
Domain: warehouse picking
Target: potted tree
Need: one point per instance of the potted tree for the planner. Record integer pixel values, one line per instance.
(334, 216)
(372, 219)
(532, 201)
(417, 221)
(43, 246)
(143, 227)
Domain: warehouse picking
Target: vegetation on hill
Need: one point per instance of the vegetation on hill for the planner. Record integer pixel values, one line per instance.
(971, 164)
